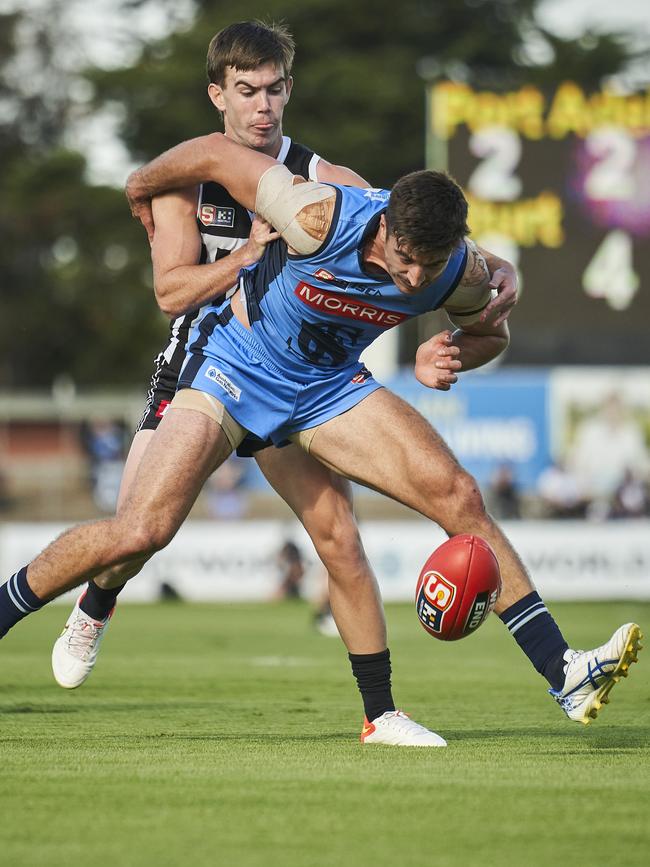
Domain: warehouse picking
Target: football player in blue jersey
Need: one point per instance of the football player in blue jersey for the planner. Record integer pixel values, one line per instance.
(281, 359)
(249, 70)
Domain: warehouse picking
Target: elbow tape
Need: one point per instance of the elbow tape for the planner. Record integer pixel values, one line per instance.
(280, 201)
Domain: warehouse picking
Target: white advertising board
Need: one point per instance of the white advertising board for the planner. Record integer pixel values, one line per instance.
(237, 561)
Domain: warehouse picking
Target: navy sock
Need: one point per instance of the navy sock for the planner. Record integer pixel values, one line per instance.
(539, 637)
(17, 600)
(97, 602)
(372, 671)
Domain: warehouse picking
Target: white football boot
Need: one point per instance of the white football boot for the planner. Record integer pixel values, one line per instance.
(397, 728)
(591, 674)
(75, 651)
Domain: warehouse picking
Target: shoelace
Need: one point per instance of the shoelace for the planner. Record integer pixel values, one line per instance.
(82, 636)
(404, 724)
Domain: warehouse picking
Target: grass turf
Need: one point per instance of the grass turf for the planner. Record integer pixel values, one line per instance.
(228, 735)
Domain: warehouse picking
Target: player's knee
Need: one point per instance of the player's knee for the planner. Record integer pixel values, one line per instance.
(339, 546)
(461, 506)
(143, 538)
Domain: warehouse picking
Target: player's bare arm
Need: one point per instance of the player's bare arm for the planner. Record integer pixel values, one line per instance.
(505, 281)
(302, 213)
(191, 162)
(180, 283)
(333, 174)
(474, 343)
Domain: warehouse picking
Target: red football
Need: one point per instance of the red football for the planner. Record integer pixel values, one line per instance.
(457, 587)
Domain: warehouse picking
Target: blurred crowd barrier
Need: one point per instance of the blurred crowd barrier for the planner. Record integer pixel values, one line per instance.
(254, 561)
(561, 443)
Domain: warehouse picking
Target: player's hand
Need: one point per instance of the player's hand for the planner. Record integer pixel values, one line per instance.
(262, 233)
(506, 282)
(140, 205)
(437, 362)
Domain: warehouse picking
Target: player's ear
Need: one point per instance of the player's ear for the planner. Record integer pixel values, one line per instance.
(215, 92)
(289, 86)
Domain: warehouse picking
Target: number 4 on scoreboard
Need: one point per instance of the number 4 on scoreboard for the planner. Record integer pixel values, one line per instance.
(610, 274)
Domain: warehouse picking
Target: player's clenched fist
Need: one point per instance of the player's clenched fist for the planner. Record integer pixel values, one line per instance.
(437, 362)
(262, 233)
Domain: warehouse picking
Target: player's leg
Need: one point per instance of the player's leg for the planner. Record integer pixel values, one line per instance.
(187, 447)
(411, 463)
(322, 500)
(75, 651)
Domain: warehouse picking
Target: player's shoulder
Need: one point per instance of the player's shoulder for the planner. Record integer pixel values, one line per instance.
(359, 204)
(298, 158)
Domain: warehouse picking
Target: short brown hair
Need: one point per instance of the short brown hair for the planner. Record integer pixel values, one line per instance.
(246, 46)
(427, 212)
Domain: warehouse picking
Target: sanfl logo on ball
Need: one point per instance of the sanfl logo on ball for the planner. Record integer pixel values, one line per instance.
(436, 596)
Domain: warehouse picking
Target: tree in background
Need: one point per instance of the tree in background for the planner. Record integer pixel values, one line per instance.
(76, 295)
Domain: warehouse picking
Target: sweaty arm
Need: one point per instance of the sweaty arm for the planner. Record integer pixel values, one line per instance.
(180, 284)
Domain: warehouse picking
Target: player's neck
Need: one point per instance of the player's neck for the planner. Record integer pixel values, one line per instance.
(373, 254)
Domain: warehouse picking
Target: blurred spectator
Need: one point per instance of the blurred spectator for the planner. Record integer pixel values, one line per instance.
(631, 498)
(104, 443)
(503, 495)
(291, 566)
(226, 490)
(608, 447)
(559, 492)
(6, 500)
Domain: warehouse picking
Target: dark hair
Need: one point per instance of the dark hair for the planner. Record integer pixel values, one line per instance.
(246, 46)
(427, 212)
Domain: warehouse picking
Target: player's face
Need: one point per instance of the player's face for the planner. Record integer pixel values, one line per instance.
(252, 104)
(410, 273)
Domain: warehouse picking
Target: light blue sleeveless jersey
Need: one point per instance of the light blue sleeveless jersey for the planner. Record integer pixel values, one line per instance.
(317, 313)
(311, 318)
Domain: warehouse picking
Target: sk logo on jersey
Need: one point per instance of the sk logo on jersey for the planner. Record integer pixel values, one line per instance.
(435, 597)
(210, 215)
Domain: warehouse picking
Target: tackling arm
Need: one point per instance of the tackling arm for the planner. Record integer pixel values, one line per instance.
(478, 337)
(180, 284)
(475, 342)
(301, 212)
(332, 174)
(212, 157)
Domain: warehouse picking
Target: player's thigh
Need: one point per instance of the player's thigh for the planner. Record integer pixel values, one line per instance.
(320, 497)
(139, 445)
(185, 449)
(386, 444)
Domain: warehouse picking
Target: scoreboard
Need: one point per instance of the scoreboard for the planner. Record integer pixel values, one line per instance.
(559, 183)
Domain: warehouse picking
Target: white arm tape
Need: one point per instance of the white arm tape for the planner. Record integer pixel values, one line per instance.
(279, 201)
(473, 294)
(473, 300)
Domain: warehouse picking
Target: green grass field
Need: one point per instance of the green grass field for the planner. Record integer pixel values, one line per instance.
(228, 735)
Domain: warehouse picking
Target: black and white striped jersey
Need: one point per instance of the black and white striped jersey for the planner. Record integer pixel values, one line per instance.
(224, 225)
